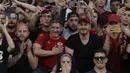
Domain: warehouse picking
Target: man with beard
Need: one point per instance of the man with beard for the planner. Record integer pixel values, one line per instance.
(82, 45)
(100, 59)
(22, 60)
(72, 23)
(12, 25)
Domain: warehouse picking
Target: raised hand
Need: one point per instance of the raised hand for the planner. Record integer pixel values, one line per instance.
(57, 50)
(128, 48)
(28, 45)
(66, 68)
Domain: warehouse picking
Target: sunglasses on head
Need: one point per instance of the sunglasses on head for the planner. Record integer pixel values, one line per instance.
(101, 58)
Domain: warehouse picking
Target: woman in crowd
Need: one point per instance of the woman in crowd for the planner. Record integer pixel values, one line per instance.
(66, 64)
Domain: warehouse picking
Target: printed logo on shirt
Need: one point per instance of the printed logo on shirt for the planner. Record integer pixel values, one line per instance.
(1, 56)
(41, 34)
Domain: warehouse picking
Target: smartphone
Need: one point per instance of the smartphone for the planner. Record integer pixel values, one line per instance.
(10, 12)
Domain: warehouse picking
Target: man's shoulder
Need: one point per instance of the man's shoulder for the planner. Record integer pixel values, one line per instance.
(74, 35)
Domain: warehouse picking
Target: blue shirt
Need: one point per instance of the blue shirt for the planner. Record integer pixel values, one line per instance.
(93, 71)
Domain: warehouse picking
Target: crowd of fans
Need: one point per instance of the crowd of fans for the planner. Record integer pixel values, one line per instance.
(64, 36)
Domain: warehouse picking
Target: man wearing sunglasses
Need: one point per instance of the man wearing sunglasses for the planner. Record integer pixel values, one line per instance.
(100, 59)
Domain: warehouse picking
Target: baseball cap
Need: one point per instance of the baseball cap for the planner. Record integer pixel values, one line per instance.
(72, 14)
(113, 18)
(85, 19)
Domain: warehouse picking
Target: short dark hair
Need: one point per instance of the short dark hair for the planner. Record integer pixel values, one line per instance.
(116, 0)
(127, 9)
(100, 50)
(72, 14)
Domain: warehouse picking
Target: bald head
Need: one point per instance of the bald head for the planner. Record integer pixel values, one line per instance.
(22, 31)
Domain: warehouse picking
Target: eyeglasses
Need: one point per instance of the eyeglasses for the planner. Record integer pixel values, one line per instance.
(73, 20)
(99, 58)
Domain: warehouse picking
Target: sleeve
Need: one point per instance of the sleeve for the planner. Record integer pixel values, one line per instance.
(40, 39)
(99, 42)
(69, 43)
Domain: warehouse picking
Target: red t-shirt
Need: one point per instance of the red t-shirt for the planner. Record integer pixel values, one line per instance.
(115, 62)
(48, 43)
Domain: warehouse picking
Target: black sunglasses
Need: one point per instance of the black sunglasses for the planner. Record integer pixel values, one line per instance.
(101, 58)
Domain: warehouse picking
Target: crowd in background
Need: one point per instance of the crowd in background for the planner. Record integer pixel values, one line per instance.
(64, 36)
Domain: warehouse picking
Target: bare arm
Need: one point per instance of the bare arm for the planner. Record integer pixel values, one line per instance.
(33, 60)
(28, 6)
(40, 52)
(13, 60)
(125, 30)
(9, 39)
(106, 45)
(19, 10)
(69, 50)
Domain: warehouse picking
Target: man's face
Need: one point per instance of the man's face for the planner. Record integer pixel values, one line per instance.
(101, 3)
(45, 19)
(22, 32)
(55, 29)
(115, 6)
(84, 27)
(100, 60)
(72, 23)
(125, 18)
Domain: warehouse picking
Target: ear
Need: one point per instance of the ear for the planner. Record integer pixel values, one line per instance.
(94, 61)
(106, 60)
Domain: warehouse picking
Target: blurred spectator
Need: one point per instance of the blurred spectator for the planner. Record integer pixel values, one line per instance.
(100, 59)
(72, 23)
(61, 10)
(125, 21)
(43, 25)
(82, 45)
(47, 47)
(115, 5)
(66, 64)
(112, 44)
(22, 60)
(5, 49)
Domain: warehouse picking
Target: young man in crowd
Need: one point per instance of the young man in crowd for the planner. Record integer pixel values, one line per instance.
(5, 50)
(115, 5)
(100, 59)
(113, 45)
(22, 60)
(72, 23)
(43, 25)
(48, 46)
(82, 45)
